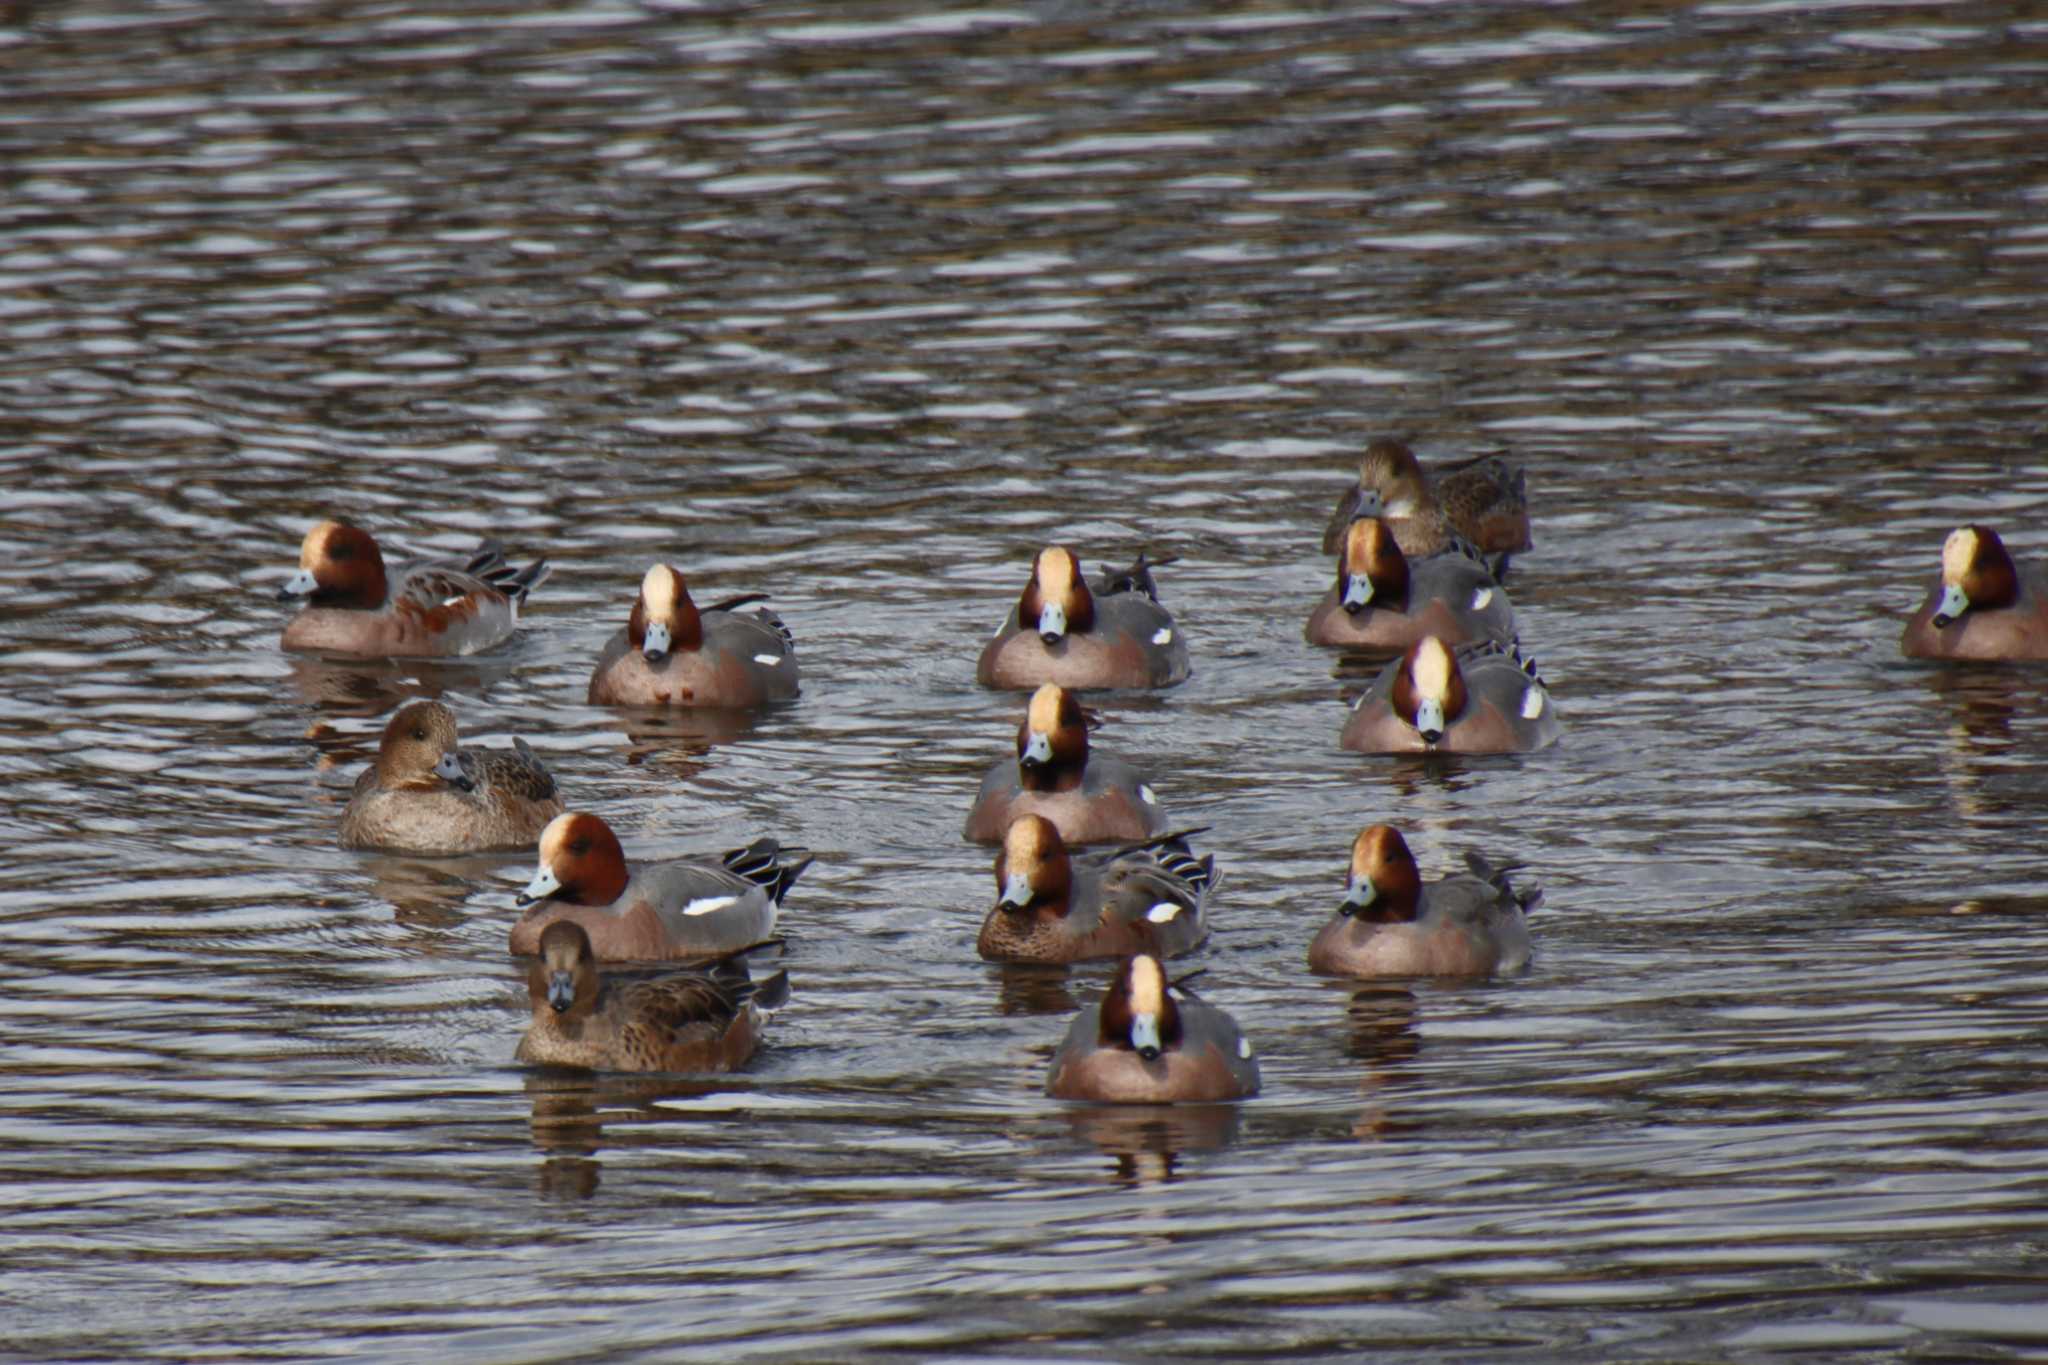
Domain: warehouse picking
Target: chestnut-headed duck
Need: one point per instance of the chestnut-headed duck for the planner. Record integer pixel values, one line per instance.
(1390, 924)
(1062, 630)
(670, 653)
(1093, 798)
(708, 1020)
(1478, 700)
(1478, 508)
(1382, 603)
(433, 607)
(1150, 1042)
(425, 794)
(1983, 606)
(690, 910)
(1052, 906)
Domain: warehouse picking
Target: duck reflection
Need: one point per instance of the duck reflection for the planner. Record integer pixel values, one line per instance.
(1146, 1140)
(571, 1108)
(1984, 699)
(1033, 988)
(371, 687)
(432, 892)
(679, 741)
(1380, 1029)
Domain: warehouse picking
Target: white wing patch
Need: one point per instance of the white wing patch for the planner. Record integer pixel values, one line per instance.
(1532, 703)
(1163, 636)
(1163, 912)
(451, 601)
(1145, 795)
(704, 905)
(768, 660)
(1481, 598)
(1244, 1048)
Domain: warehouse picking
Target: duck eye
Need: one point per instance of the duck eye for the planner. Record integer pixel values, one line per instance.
(580, 847)
(419, 734)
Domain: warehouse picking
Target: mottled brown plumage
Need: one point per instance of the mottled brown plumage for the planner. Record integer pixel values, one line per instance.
(426, 794)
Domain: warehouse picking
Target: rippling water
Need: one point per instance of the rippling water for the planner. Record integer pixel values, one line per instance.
(859, 307)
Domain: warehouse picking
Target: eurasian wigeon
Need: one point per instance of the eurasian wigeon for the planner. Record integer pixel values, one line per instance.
(1383, 603)
(1983, 606)
(1479, 700)
(1093, 798)
(670, 653)
(425, 794)
(708, 1020)
(1140, 1044)
(690, 910)
(1390, 924)
(435, 607)
(1052, 906)
(1479, 508)
(1062, 630)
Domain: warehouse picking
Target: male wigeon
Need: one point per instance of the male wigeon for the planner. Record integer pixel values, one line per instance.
(708, 1020)
(1052, 906)
(1479, 700)
(670, 653)
(1383, 603)
(1092, 797)
(433, 606)
(659, 910)
(1983, 606)
(1062, 630)
(1479, 508)
(425, 794)
(1140, 1044)
(1390, 924)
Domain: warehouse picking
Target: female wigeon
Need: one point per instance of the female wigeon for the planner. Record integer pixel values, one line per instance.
(1479, 508)
(1054, 907)
(1390, 924)
(1063, 631)
(424, 794)
(1480, 700)
(660, 910)
(1093, 798)
(672, 654)
(1383, 603)
(1983, 606)
(1141, 1045)
(433, 607)
(707, 1020)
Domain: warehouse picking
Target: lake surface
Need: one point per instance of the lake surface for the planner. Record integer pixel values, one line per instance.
(860, 306)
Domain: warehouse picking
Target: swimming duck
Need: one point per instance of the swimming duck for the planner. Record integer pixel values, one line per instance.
(426, 794)
(1983, 606)
(1115, 634)
(1480, 700)
(1478, 508)
(1140, 1044)
(1052, 906)
(1093, 798)
(670, 653)
(1390, 924)
(433, 606)
(1383, 602)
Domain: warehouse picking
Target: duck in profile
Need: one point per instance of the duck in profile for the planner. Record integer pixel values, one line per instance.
(431, 607)
(694, 1021)
(1982, 605)
(659, 911)
(1390, 924)
(1148, 1042)
(1478, 508)
(1092, 798)
(1053, 906)
(1481, 700)
(426, 794)
(1383, 602)
(671, 653)
(1062, 630)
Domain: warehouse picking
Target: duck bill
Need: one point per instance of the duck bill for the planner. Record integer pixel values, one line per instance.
(656, 643)
(449, 768)
(1145, 1036)
(300, 584)
(1037, 750)
(1052, 623)
(1357, 592)
(543, 885)
(1429, 720)
(561, 991)
(1359, 896)
(1016, 895)
(1954, 602)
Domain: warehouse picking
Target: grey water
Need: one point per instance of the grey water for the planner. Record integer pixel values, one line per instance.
(859, 306)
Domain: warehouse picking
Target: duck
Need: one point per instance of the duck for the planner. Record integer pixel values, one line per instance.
(1150, 1042)
(1052, 906)
(671, 653)
(1114, 634)
(1093, 798)
(1478, 508)
(426, 794)
(432, 608)
(1389, 924)
(1983, 606)
(1481, 700)
(705, 1020)
(1382, 603)
(687, 909)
